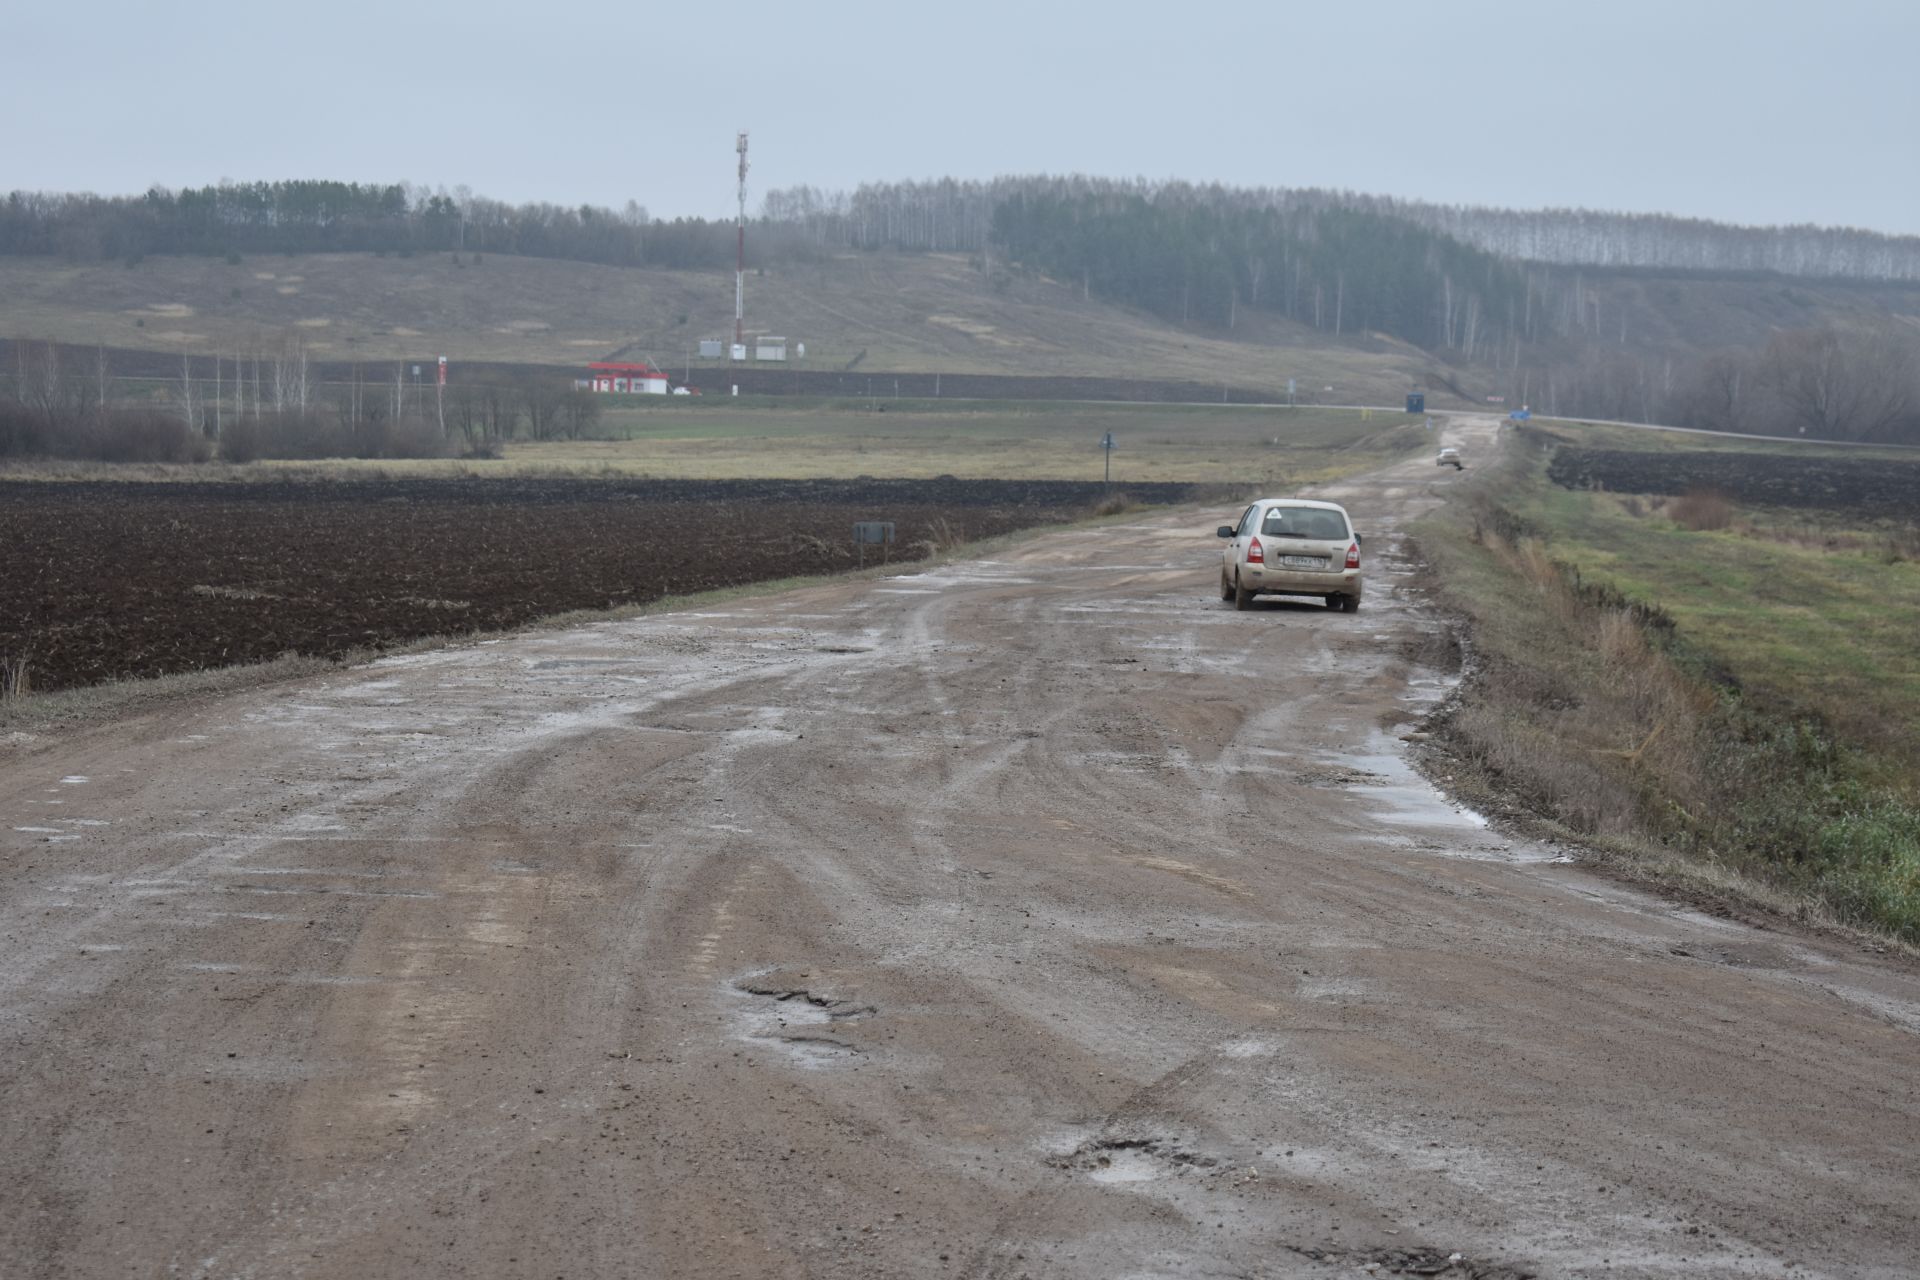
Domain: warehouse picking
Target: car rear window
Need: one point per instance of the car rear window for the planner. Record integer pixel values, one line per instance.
(1303, 522)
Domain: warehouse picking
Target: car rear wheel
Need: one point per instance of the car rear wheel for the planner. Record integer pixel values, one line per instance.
(1350, 603)
(1336, 602)
(1242, 598)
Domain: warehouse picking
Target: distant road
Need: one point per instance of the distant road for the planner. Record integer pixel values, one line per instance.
(1730, 435)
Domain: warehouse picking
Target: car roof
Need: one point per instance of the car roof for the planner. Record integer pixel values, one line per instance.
(1300, 502)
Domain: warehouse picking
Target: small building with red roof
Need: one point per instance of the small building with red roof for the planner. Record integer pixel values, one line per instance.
(622, 378)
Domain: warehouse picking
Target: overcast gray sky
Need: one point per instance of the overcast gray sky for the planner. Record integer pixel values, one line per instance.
(1760, 111)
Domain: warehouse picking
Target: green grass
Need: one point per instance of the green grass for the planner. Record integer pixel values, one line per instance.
(1749, 728)
(1595, 435)
(1831, 630)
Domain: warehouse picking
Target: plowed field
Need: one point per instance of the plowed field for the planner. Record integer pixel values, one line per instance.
(108, 581)
(1876, 487)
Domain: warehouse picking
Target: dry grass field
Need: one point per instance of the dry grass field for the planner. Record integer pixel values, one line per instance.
(1242, 447)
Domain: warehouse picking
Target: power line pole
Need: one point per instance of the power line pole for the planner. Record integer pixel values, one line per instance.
(740, 252)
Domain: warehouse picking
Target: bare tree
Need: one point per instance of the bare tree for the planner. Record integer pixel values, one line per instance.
(580, 412)
(189, 407)
(1719, 395)
(292, 384)
(540, 402)
(1841, 387)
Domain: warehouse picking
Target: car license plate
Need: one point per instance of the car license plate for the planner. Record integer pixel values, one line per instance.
(1303, 562)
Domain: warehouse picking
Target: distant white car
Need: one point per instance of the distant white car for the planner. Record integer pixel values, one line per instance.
(1450, 457)
(1292, 547)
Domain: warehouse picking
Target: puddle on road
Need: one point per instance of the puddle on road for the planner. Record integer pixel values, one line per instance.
(1127, 1166)
(1399, 797)
(1133, 1160)
(797, 1021)
(1404, 798)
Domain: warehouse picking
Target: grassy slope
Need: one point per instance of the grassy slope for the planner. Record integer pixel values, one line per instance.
(1807, 779)
(906, 312)
(1822, 613)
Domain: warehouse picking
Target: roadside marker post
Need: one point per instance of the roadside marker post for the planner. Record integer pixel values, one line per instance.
(1106, 446)
(875, 533)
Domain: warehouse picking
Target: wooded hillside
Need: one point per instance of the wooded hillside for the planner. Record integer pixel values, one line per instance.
(1576, 312)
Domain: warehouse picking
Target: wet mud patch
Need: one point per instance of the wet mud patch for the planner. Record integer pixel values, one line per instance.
(810, 1026)
(1340, 777)
(1413, 1262)
(1134, 1159)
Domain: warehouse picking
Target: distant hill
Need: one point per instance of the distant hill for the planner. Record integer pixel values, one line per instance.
(1356, 298)
(875, 312)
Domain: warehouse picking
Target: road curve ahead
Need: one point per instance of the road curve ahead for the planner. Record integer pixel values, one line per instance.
(1032, 916)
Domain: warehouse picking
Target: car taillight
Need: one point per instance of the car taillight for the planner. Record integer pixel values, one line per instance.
(1353, 556)
(1254, 554)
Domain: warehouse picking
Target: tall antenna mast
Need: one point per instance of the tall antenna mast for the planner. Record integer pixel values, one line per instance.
(740, 251)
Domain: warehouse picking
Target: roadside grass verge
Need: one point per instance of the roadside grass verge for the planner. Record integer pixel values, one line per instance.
(1712, 709)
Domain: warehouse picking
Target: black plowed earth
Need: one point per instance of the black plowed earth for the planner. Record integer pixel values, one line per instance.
(1879, 487)
(115, 580)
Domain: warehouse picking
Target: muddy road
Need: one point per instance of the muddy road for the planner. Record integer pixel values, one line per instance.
(1038, 915)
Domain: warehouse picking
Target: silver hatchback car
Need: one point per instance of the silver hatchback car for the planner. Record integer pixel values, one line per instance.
(1292, 547)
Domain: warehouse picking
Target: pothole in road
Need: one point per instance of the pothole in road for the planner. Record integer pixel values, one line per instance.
(1120, 1160)
(1413, 1262)
(799, 1020)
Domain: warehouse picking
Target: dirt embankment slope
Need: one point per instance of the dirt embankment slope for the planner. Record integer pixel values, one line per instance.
(1033, 916)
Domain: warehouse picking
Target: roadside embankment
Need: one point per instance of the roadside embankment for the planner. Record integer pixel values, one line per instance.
(1711, 692)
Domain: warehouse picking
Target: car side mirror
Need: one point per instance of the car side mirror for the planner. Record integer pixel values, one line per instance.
(1224, 531)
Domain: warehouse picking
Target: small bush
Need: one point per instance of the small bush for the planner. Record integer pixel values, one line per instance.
(407, 438)
(143, 435)
(23, 433)
(241, 442)
(1700, 509)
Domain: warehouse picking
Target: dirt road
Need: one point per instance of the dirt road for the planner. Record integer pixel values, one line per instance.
(1039, 915)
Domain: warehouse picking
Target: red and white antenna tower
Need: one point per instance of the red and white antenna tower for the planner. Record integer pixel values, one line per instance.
(740, 251)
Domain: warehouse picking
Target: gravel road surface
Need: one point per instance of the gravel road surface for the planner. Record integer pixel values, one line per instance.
(1032, 916)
